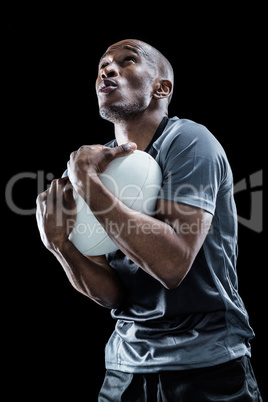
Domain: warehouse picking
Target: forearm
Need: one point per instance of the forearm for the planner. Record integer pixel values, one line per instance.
(147, 241)
(158, 246)
(91, 277)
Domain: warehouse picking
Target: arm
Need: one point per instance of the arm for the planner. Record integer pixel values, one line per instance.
(93, 276)
(161, 248)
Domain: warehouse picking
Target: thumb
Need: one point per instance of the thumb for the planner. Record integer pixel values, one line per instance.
(109, 154)
(130, 146)
(125, 149)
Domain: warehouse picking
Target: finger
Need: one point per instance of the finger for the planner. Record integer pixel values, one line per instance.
(41, 197)
(55, 195)
(123, 150)
(41, 204)
(68, 198)
(127, 148)
(52, 192)
(64, 180)
(84, 149)
(72, 155)
(39, 208)
(56, 187)
(98, 147)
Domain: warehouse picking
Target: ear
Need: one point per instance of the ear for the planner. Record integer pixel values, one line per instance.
(163, 89)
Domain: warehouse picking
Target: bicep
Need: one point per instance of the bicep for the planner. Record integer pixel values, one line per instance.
(191, 224)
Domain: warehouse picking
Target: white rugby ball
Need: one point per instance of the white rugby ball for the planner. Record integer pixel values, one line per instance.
(135, 180)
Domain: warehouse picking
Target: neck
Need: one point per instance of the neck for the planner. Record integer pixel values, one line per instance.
(140, 130)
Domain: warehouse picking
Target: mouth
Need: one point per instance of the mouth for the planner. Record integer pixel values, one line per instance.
(106, 86)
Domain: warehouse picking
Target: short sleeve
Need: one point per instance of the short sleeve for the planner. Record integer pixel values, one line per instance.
(192, 163)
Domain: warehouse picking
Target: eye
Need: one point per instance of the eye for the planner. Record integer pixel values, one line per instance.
(130, 58)
(103, 65)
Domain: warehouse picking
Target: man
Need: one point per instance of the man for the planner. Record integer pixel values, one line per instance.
(182, 331)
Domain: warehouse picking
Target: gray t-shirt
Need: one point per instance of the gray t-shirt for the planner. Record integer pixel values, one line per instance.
(203, 322)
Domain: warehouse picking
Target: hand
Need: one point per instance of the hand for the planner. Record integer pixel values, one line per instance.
(93, 160)
(56, 213)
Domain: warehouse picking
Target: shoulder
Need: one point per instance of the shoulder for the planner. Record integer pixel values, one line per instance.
(183, 137)
(184, 133)
(189, 147)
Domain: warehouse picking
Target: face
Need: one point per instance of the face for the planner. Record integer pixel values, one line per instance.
(125, 80)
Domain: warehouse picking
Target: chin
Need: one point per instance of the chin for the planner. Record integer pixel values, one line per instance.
(118, 112)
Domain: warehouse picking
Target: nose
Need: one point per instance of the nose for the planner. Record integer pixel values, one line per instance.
(109, 71)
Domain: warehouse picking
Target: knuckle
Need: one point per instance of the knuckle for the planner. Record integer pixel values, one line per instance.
(41, 197)
(61, 180)
(68, 185)
(84, 148)
(108, 154)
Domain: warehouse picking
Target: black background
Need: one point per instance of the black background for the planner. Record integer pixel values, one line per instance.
(54, 337)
